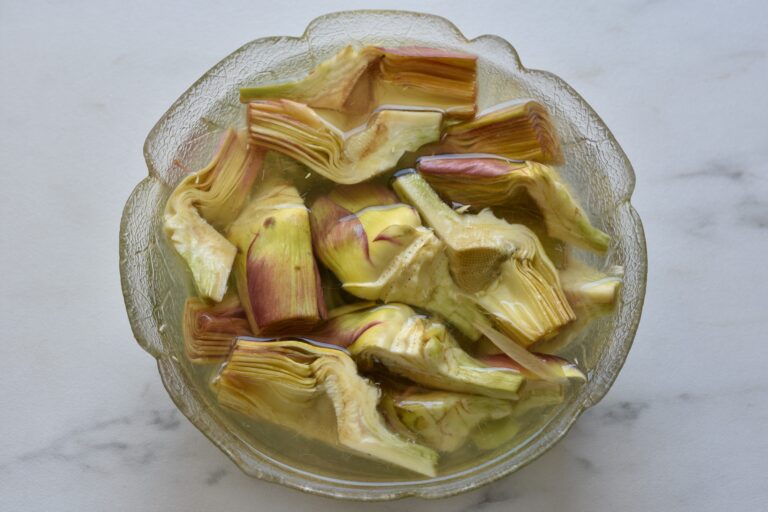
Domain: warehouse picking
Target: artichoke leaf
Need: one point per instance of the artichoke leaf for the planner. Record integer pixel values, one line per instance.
(540, 391)
(592, 294)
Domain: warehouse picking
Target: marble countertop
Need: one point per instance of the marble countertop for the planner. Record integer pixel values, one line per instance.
(86, 423)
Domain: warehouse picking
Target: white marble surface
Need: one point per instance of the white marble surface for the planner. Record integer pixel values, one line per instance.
(86, 423)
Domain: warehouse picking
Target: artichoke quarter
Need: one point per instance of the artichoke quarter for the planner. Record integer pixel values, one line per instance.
(519, 130)
(297, 131)
(358, 80)
(488, 180)
(414, 346)
(379, 250)
(209, 329)
(206, 201)
(316, 392)
(274, 255)
(501, 266)
(442, 420)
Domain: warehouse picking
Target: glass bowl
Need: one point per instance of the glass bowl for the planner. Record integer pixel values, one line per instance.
(155, 283)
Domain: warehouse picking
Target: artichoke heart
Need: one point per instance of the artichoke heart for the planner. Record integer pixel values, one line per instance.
(380, 251)
(520, 131)
(502, 266)
(492, 181)
(209, 329)
(358, 80)
(297, 131)
(442, 420)
(317, 393)
(275, 270)
(206, 201)
(415, 347)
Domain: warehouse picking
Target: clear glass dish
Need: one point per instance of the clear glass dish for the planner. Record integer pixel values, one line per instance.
(155, 284)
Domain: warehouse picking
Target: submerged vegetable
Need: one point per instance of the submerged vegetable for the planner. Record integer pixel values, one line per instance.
(277, 277)
(442, 420)
(591, 293)
(209, 329)
(589, 289)
(317, 393)
(522, 209)
(502, 264)
(415, 347)
(208, 200)
(295, 130)
(379, 250)
(359, 80)
(329, 85)
(521, 131)
(492, 181)
(537, 391)
(413, 75)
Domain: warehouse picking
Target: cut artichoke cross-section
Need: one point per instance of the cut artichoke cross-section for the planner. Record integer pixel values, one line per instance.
(484, 181)
(379, 250)
(210, 329)
(521, 131)
(502, 266)
(296, 130)
(317, 393)
(208, 200)
(359, 80)
(442, 420)
(413, 346)
(537, 390)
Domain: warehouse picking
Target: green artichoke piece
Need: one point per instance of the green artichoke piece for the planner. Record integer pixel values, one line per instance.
(589, 289)
(591, 293)
(520, 131)
(209, 329)
(537, 390)
(442, 420)
(493, 181)
(296, 130)
(503, 266)
(206, 201)
(358, 80)
(428, 77)
(315, 392)
(379, 250)
(275, 269)
(330, 85)
(416, 347)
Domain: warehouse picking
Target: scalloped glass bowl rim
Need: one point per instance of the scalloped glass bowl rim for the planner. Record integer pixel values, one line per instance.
(275, 471)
